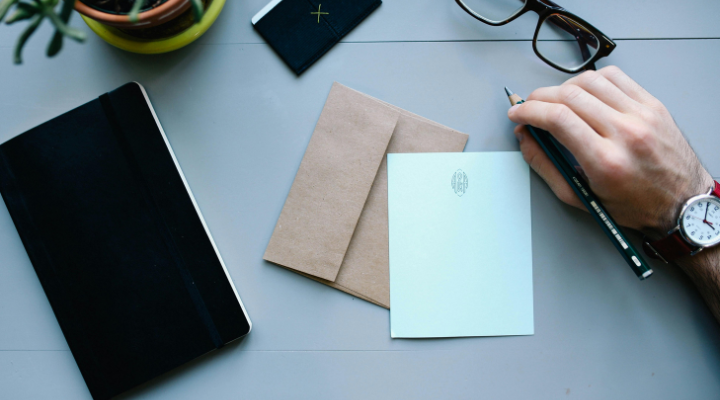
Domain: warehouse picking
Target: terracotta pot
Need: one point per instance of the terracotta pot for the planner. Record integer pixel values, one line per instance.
(146, 19)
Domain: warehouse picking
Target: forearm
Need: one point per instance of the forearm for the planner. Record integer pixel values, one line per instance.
(704, 270)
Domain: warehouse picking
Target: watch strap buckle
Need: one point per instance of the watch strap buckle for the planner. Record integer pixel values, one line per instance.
(670, 247)
(652, 253)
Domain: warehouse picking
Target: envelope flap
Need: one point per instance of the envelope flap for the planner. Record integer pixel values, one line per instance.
(332, 184)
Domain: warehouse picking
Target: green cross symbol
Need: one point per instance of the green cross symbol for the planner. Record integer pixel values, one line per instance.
(318, 13)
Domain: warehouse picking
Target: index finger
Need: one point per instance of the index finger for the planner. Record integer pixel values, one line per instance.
(569, 129)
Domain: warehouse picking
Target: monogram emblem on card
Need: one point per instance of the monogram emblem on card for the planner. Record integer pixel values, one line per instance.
(459, 182)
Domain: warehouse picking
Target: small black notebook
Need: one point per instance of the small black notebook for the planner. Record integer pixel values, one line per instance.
(118, 242)
(301, 31)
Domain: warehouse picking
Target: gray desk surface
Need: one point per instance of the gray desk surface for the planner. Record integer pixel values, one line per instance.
(238, 120)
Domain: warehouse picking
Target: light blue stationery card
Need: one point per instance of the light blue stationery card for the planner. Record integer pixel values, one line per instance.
(460, 245)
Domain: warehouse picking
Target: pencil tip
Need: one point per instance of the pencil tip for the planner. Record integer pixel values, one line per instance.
(508, 91)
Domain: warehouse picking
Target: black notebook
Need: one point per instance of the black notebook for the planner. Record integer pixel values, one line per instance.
(118, 242)
(301, 31)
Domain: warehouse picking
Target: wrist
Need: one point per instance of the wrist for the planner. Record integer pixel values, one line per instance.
(691, 234)
(670, 212)
(701, 264)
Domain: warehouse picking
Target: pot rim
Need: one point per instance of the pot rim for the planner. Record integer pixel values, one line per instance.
(167, 10)
(122, 41)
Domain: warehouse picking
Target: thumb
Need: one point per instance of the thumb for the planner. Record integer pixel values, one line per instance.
(540, 163)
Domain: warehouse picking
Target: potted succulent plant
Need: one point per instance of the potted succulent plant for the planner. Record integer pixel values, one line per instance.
(142, 26)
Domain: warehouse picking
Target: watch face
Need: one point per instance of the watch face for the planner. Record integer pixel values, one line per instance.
(700, 221)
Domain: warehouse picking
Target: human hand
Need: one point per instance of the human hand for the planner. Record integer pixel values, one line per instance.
(632, 152)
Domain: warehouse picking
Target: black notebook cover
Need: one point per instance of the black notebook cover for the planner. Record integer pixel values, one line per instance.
(118, 242)
(301, 31)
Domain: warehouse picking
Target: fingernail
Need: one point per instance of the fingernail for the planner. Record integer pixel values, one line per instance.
(520, 136)
(512, 109)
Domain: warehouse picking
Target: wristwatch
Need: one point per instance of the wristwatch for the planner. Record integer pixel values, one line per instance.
(698, 227)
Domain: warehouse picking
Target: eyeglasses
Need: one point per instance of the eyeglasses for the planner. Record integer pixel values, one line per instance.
(562, 39)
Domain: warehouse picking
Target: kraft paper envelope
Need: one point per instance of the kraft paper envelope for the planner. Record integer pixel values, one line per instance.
(334, 225)
(332, 184)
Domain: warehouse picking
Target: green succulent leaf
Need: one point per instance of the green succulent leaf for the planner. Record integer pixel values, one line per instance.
(29, 6)
(57, 41)
(198, 10)
(25, 35)
(70, 32)
(135, 11)
(23, 11)
(5, 7)
(55, 45)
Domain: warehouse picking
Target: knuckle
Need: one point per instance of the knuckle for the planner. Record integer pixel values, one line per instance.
(611, 167)
(558, 115)
(531, 157)
(611, 70)
(651, 116)
(569, 92)
(588, 78)
(640, 136)
(629, 126)
(658, 109)
(647, 114)
(643, 141)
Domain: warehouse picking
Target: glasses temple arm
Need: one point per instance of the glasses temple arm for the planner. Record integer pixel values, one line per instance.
(560, 22)
(580, 36)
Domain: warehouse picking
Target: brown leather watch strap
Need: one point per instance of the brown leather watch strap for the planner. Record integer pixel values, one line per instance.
(674, 246)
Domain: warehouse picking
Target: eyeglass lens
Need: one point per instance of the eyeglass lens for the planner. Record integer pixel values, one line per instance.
(565, 42)
(495, 10)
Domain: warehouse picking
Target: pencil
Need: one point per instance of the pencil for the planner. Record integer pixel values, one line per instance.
(555, 153)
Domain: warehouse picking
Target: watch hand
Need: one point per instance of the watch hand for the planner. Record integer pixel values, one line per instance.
(710, 224)
(707, 207)
(705, 221)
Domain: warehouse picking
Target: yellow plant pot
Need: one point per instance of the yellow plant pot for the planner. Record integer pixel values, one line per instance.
(136, 45)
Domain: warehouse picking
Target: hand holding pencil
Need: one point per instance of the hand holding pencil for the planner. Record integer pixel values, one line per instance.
(636, 160)
(566, 164)
(634, 156)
